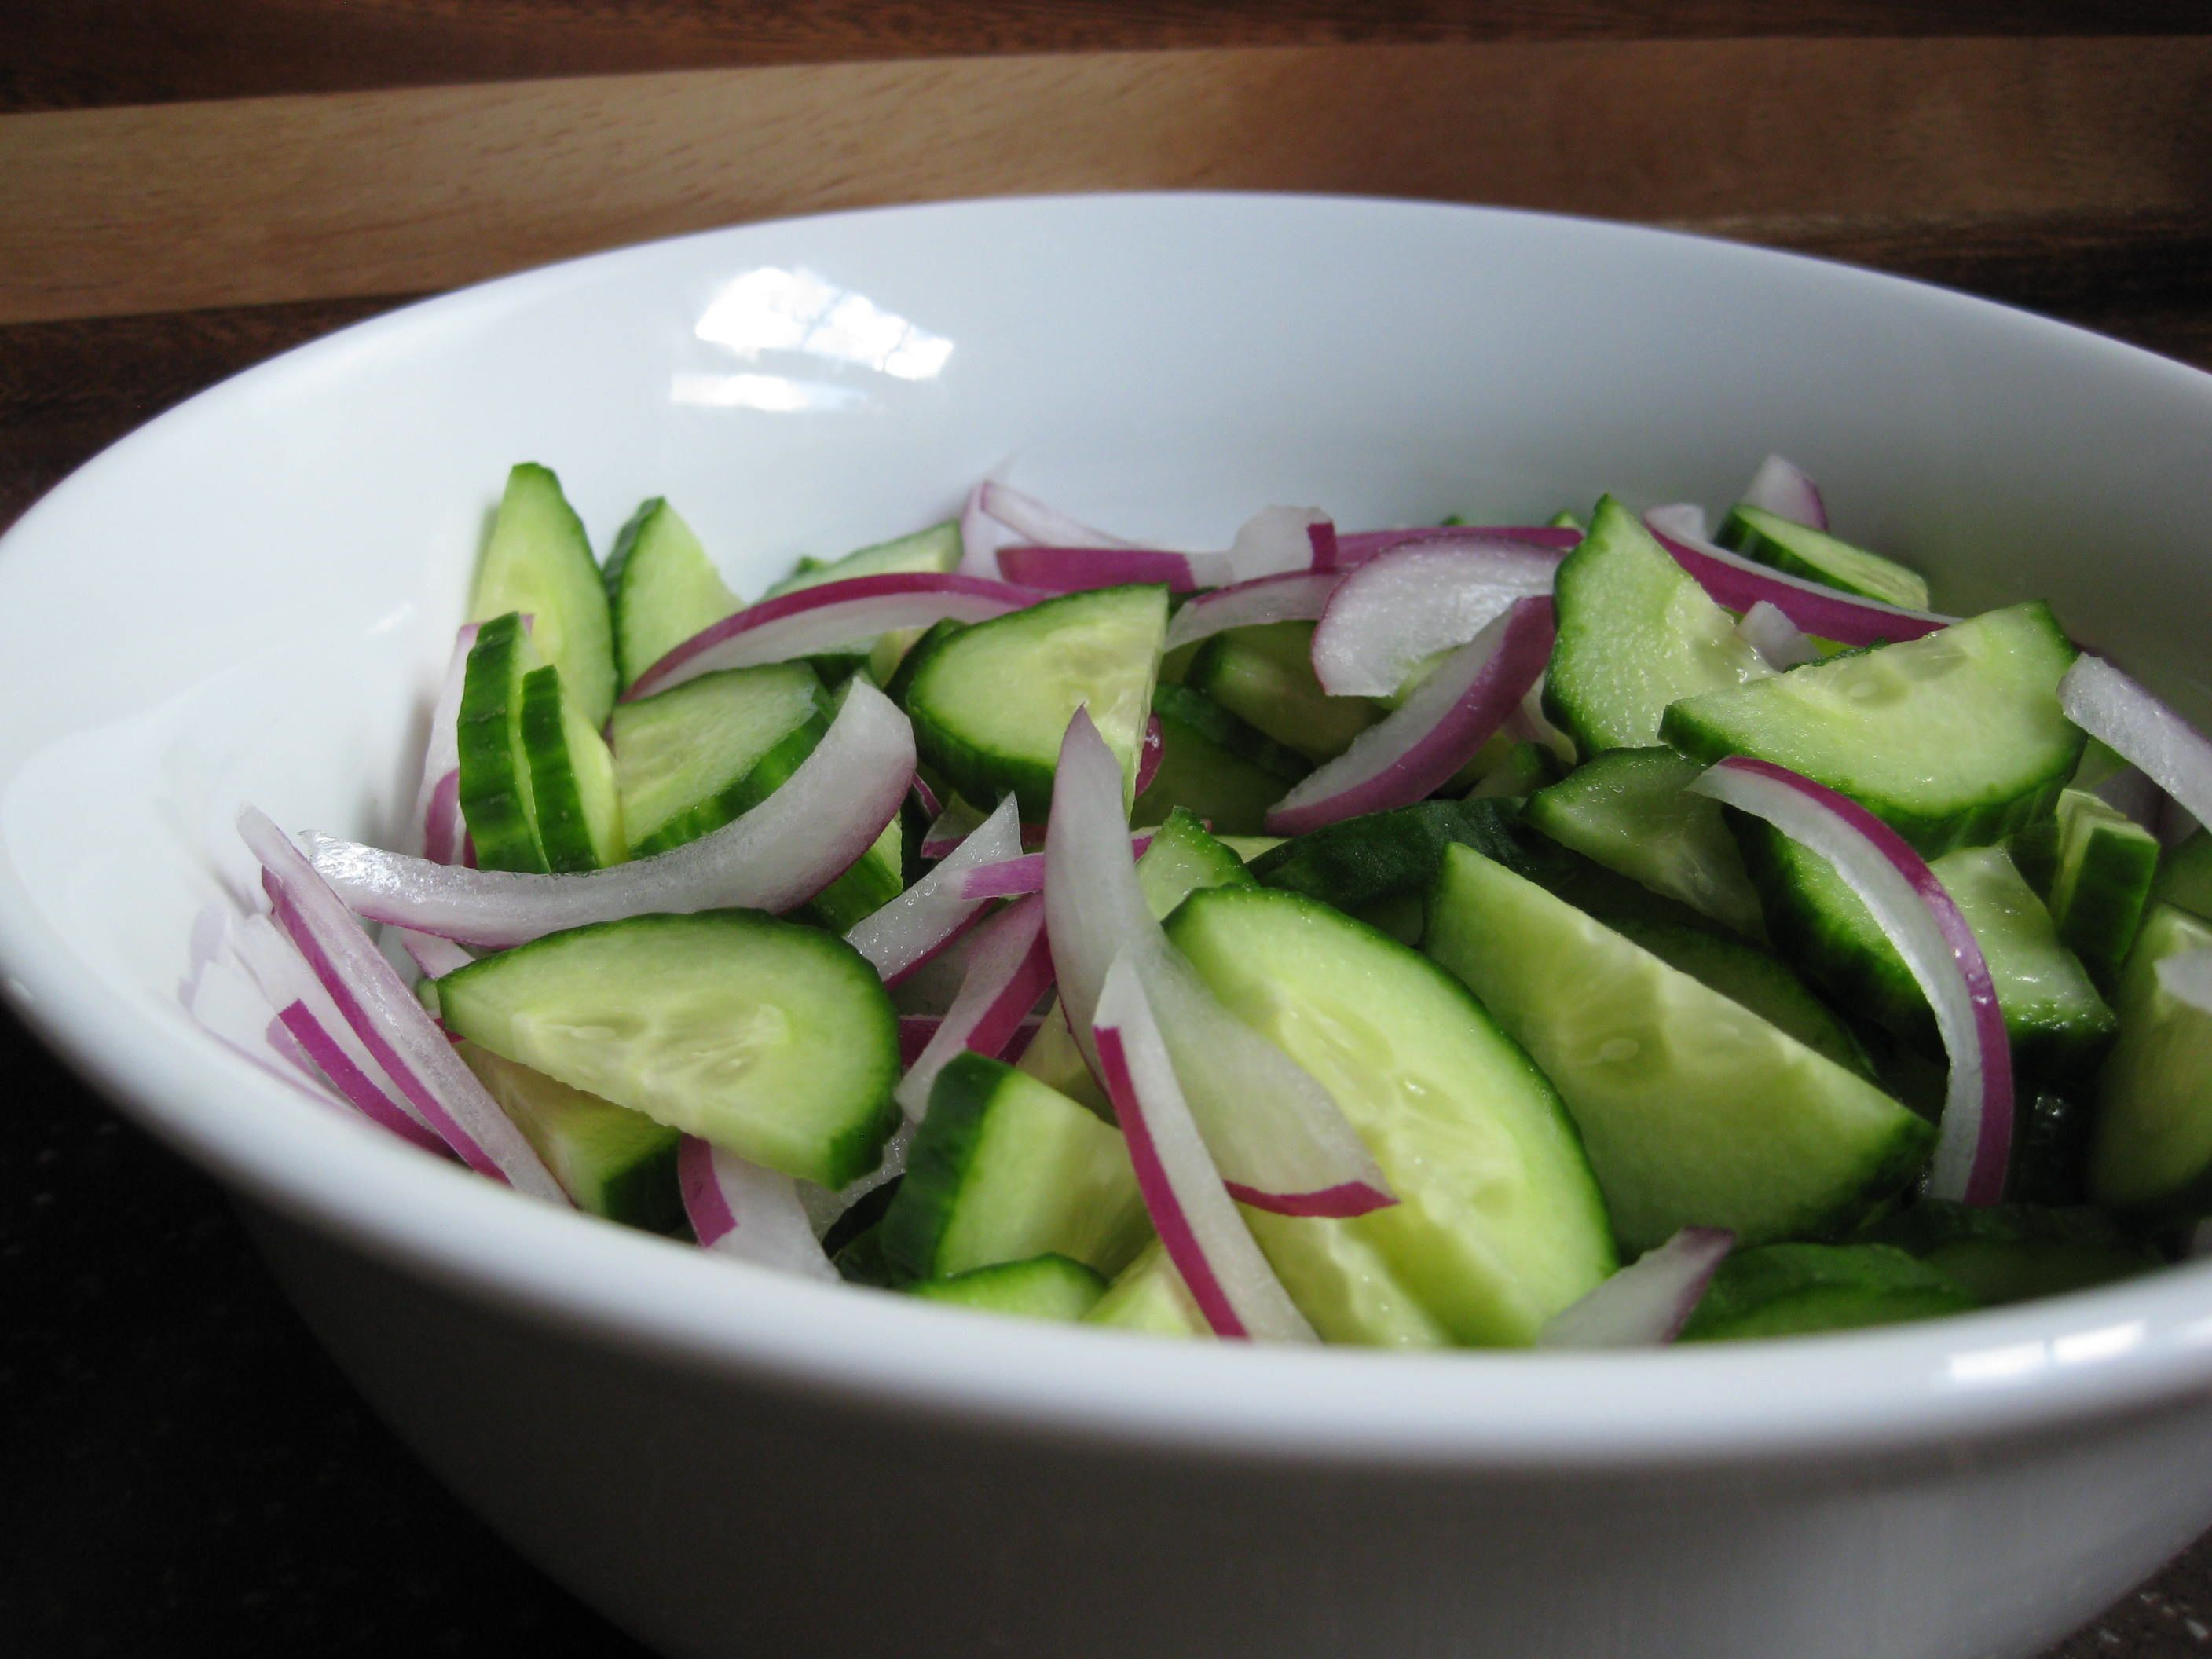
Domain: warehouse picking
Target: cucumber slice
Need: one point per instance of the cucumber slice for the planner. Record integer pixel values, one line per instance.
(860, 1261)
(2152, 1145)
(1043, 1287)
(1762, 982)
(539, 562)
(690, 759)
(495, 768)
(611, 1161)
(990, 703)
(1053, 1059)
(2100, 882)
(1954, 739)
(1003, 1168)
(1249, 847)
(1182, 859)
(1499, 1223)
(2004, 1253)
(1797, 550)
(1359, 861)
(877, 877)
(934, 550)
(1225, 771)
(661, 589)
(2184, 876)
(573, 797)
(1630, 810)
(1798, 1290)
(1635, 633)
(1264, 676)
(1525, 768)
(2058, 1024)
(1150, 1295)
(1695, 1111)
(769, 1038)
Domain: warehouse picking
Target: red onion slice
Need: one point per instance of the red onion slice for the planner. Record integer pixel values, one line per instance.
(826, 616)
(1787, 491)
(933, 912)
(1278, 1134)
(311, 1017)
(437, 816)
(1032, 520)
(1740, 583)
(1358, 546)
(1024, 874)
(739, 1209)
(2118, 712)
(1298, 596)
(1320, 541)
(1075, 569)
(407, 1043)
(1009, 969)
(1920, 919)
(925, 799)
(1191, 1210)
(1401, 608)
(1412, 752)
(1277, 541)
(1645, 1304)
(436, 957)
(916, 1029)
(775, 857)
(1778, 640)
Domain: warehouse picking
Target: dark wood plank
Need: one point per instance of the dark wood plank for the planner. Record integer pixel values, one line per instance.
(88, 53)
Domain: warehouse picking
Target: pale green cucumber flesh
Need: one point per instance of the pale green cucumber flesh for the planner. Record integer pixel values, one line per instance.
(495, 768)
(2153, 1140)
(876, 876)
(1953, 739)
(769, 1038)
(1801, 1290)
(1695, 1111)
(1042, 1287)
(991, 703)
(2100, 882)
(1003, 1168)
(661, 589)
(1797, 549)
(1635, 633)
(539, 561)
(573, 795)
(1499, 1225)
(690, 759)
(1525, 769)
(2184, 875)
(936, 549)
(1182, 859)
(1225, 771)
(1631, 809)
(612, 1162)
(2058, 1024)
(1760, 980)
(1150, 1295)
(1264, 676)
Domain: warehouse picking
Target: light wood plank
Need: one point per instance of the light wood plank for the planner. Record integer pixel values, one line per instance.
(114, 211)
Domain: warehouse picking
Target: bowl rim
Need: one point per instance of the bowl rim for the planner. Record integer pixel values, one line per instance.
(2032, 1369)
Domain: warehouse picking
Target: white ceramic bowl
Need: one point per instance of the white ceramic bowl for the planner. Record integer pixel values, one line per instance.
(249, 599)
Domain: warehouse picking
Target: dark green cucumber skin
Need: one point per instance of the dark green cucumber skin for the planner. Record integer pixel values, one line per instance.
(2050, 1152)
(2006, 1253)
(614, 573)
(1739, 534)
(1226, 771)
(648, 1194)
(493, 791)
(861, 1262)
(873, 881)
(556, 806)
(772, 770)
(1881, 989)
(1353, 863)
(1790, 1290)
(978, 775)
(598, 696)
(937, 1163)
(2184, 877)
(2108, 906)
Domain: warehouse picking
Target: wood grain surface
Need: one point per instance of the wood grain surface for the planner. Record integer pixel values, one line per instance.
(187, 186)
(65, 54)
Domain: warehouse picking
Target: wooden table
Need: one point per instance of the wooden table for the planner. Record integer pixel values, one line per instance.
(186, 188)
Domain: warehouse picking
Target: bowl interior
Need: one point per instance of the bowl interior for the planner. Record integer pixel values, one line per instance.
(251, 598)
